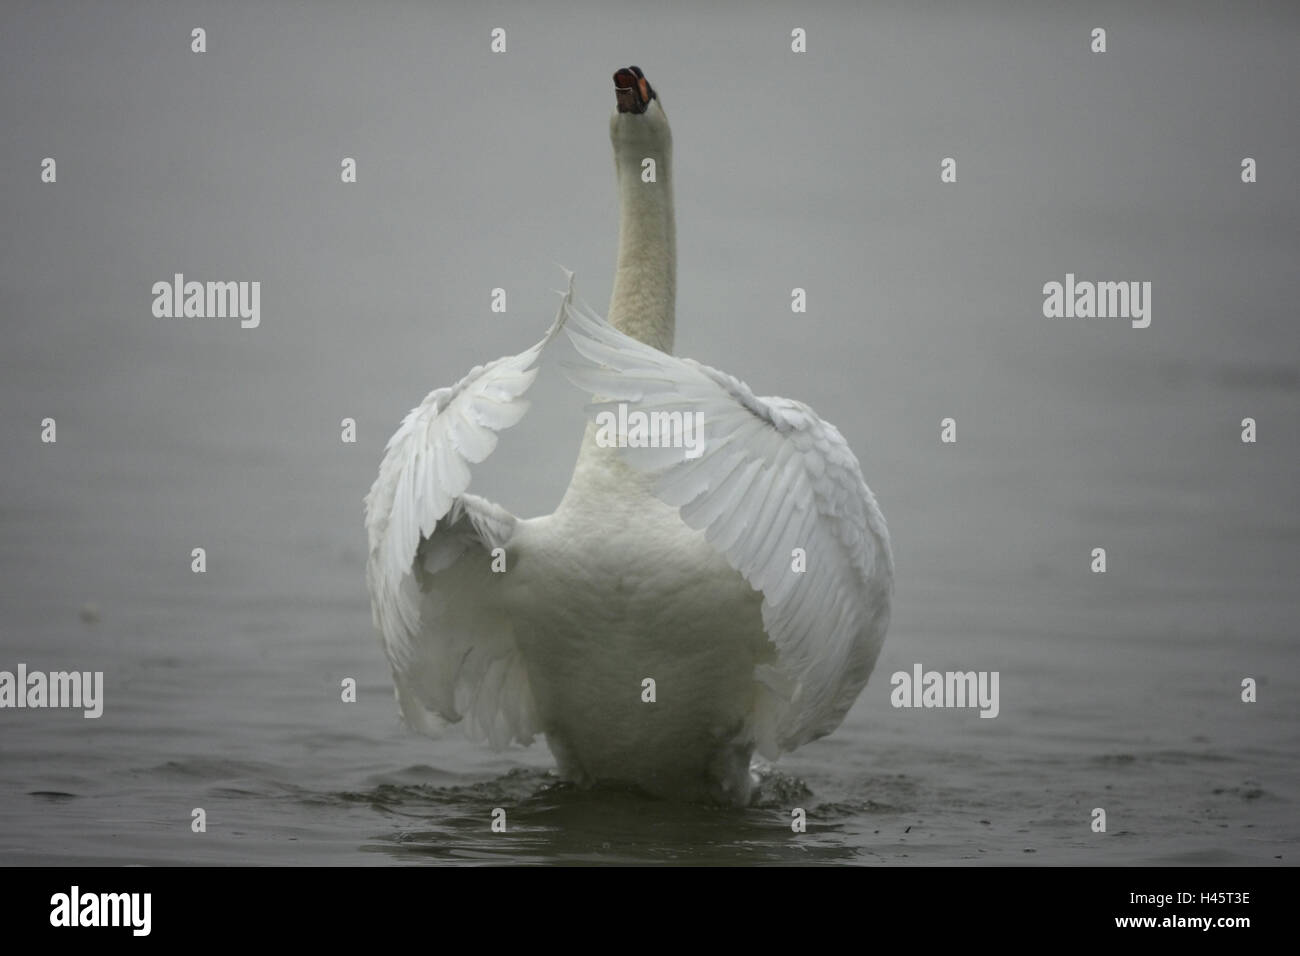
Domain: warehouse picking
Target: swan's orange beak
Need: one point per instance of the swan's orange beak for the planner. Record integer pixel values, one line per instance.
(632, 91)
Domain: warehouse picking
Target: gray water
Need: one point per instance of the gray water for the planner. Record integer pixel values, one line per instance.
(817, 170)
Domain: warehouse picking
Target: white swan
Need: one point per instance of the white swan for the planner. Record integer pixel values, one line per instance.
(655, 565)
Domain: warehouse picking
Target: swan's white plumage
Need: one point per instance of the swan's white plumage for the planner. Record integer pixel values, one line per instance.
(773, 477)
(652, 566)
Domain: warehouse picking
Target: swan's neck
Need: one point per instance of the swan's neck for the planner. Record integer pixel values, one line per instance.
(643, 306)
(645, 284)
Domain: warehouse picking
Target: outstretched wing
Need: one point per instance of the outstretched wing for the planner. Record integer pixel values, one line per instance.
(433, 594)
(772, 477)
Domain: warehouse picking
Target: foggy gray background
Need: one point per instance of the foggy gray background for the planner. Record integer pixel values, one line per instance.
(818, 170)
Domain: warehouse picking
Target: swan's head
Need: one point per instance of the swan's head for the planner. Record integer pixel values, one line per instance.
(639, 119)
(632, 91)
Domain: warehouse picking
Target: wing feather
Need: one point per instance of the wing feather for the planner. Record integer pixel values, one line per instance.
(772, 477)
(448, 637)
